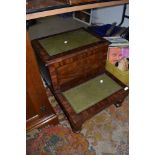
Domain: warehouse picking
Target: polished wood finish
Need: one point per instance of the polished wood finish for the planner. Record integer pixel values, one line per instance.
(76, 120)
(34, 5)
(74, 8)
(38, 109)
(74, 67)
(71, 2)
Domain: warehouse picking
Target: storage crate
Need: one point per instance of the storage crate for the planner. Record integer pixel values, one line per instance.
(123, 76)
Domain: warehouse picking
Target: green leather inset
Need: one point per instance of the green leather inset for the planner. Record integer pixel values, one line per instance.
(67, 41)
(89, 93)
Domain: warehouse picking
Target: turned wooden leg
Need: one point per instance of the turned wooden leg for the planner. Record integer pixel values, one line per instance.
(118, 104)
(76, 128)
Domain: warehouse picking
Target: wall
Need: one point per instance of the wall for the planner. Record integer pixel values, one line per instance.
(110, 15)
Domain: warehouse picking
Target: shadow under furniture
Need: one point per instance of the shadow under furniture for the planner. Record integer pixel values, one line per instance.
(73, 66)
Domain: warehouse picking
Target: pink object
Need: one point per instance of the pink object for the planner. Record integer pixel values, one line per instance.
(125, 52)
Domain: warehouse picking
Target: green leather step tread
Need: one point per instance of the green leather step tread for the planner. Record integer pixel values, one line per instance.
(89, 93)
(57, 44)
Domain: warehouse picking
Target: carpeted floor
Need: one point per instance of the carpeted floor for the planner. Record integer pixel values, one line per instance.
(104, 134)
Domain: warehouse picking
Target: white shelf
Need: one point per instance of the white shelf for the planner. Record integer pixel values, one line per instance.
(85, 17)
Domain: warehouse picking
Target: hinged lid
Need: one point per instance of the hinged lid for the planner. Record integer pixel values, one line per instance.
(64, 44)
(67, 41)
(72, 57)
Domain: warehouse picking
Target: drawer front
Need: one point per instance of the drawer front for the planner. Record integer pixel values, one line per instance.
(94, 63)
(71, 71)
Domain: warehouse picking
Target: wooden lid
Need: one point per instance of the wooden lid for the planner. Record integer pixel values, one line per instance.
(64, 44)
(67, 41)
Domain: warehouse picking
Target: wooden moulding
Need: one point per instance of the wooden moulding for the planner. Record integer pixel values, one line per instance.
(41, 122)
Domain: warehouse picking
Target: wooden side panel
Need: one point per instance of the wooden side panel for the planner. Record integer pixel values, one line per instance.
(39, 110)
(34, 85)
(95, 61)
(31, 113)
